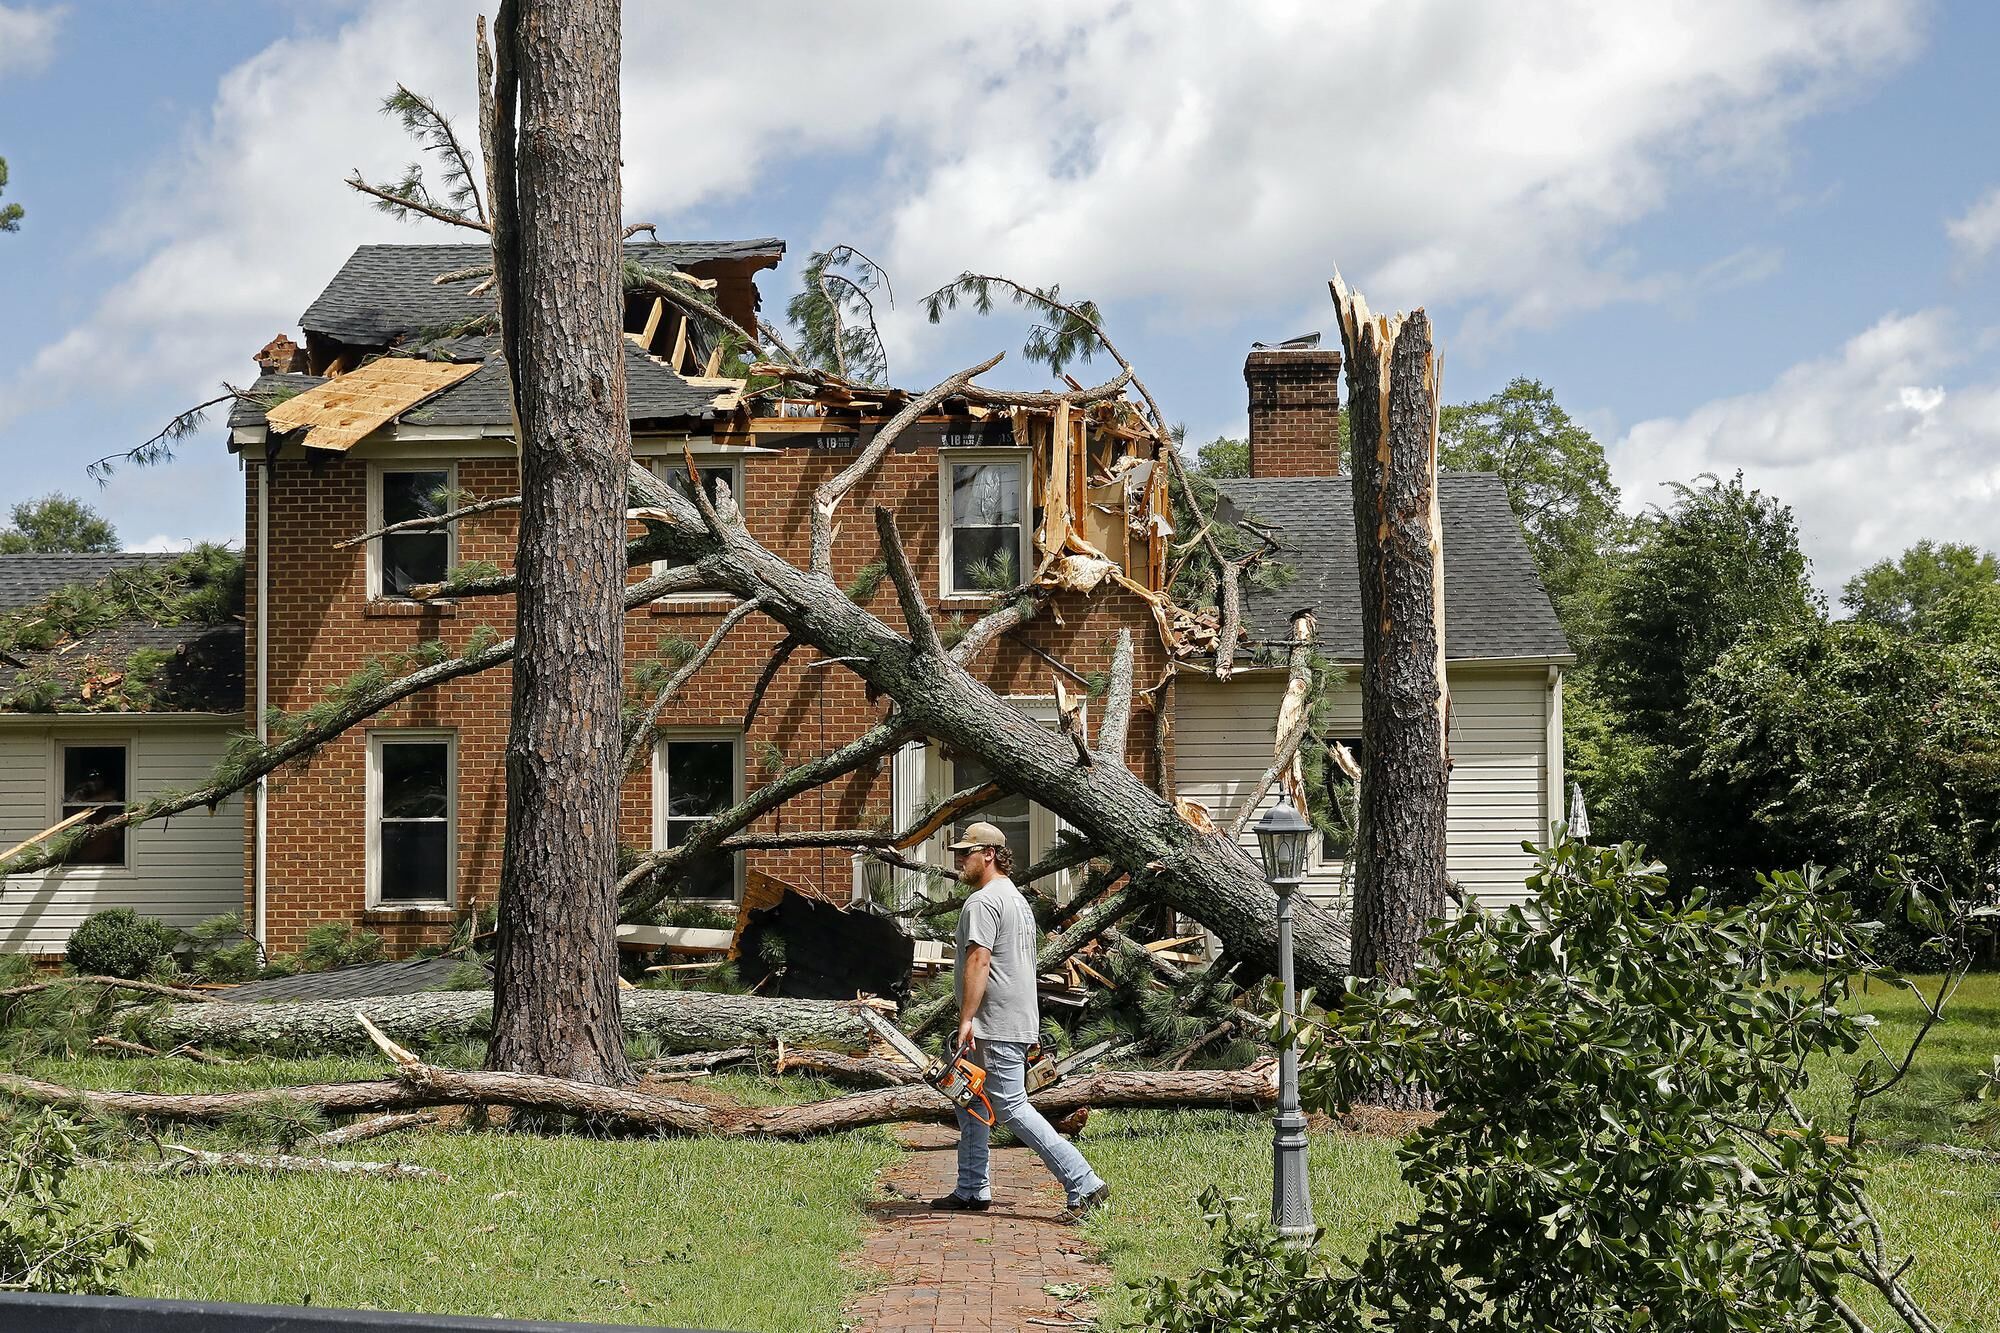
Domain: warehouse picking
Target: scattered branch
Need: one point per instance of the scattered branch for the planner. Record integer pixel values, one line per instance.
(642, 733)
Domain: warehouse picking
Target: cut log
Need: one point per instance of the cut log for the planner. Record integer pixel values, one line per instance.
(865, 1069)
(374, 1127)
(678, 1020)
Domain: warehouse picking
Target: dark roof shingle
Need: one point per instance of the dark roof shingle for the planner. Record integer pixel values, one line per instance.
(1495, 605)
(203, 671)
(386, 292)
(480, 399)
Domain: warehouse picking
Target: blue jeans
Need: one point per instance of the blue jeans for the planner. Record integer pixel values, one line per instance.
(1006, 1072)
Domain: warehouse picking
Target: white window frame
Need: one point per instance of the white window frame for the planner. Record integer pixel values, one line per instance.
(125, 740)
(1319, 861)
(947, 459)
(921, 775)
(375, 473)
(736, 791)
(661, 464)
(377, 738)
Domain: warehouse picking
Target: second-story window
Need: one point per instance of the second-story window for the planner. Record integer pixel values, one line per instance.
(406, 559)
(986, 535)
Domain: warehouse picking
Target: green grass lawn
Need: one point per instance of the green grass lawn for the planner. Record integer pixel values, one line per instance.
(747, 1235)
(727, 1234)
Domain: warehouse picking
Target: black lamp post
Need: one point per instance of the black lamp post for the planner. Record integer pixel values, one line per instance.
(1283, 839)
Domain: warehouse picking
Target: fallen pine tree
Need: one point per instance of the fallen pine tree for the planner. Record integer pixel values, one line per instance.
(677, 1020)
(639, 1110)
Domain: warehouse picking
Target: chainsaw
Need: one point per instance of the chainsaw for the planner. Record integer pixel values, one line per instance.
(962, 1079)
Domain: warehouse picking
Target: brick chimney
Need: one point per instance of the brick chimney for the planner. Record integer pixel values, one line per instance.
(1294, 411)
(281, 356)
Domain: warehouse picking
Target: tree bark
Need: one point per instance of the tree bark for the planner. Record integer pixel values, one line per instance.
(636, 1109)
(678, 1020)
(557, 258)
(1400, 872)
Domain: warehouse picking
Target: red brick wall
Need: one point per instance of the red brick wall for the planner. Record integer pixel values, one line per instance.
(323, 629)
(1294, 412)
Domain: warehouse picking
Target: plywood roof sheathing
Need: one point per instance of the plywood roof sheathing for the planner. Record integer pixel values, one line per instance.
(340, 413)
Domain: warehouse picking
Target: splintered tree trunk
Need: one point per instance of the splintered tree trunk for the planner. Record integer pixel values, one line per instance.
(557, 259)
(1400, 855)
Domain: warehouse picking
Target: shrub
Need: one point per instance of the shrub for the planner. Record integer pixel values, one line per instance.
(44, 1245)
(1257, 1285)
(337, 945)
(120, 943)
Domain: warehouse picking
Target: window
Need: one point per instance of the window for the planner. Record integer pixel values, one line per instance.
(411, 804)
(405, 559)
(711, 468)
(986, 539)
(922, 775)
(1012, 814)
(93, 779)
(694, 778)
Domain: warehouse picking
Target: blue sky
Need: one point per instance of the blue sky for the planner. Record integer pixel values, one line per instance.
(1755, 234)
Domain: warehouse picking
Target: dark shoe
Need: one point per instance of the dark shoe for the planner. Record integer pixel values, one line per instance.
(958, 1203)
(1087, 1205)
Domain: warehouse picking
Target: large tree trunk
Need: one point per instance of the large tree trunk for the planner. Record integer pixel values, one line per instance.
(557, 259)
(1400, 872)
(1192, 870)
(678, 1020)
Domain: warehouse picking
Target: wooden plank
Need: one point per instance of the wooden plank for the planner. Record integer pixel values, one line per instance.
(341, 413)
(48, 833)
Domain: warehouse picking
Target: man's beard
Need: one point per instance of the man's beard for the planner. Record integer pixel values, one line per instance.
(965, 876)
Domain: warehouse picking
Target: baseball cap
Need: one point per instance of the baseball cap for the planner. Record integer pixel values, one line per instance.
(981, 834)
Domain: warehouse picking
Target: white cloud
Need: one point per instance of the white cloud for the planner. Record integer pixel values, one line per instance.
(1873, 447)
(1975, 232)
(1217, 159)
(27, 38)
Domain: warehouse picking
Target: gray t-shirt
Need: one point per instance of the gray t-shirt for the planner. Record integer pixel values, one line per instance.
(999, 918)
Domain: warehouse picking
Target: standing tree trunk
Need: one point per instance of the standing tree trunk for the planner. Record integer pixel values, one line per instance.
(1400, 846)
(557, 261)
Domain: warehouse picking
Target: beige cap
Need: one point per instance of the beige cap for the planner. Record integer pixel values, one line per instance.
(981, 834)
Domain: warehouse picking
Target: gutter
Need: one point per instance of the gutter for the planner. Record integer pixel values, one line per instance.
(260, 839)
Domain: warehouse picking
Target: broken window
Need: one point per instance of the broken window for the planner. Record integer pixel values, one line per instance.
(405, 559)
(711, 468)
(986, 540)
(410, 792)
(695, 778)
(93, 779)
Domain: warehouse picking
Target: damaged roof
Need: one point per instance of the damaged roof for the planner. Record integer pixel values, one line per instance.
(652, 390)
(268, 391)
(386, 292)
(202, 671)
(1494, 603)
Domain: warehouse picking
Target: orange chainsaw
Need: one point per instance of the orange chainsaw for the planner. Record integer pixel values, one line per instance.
(962, 1079)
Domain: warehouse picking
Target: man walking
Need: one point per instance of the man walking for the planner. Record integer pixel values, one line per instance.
(1000, 1019)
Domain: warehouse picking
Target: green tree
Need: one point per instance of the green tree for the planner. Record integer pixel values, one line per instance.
(10, 214)
(1558, 483)
(1721, 562)
(1900, 592)
(1223, 457)
(56, 522)
(1851, 744)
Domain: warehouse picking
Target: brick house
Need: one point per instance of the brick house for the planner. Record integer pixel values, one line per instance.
(398, 824)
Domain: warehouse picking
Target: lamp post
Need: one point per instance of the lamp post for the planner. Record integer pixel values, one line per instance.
(1283, 836)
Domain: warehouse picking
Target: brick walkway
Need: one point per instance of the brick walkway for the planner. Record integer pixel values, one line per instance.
(989, 1270)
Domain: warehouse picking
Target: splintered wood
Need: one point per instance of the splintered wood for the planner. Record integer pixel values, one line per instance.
(342, 412)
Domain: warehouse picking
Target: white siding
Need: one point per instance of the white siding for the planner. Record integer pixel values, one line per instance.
(183, 870)
(1499, 782)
